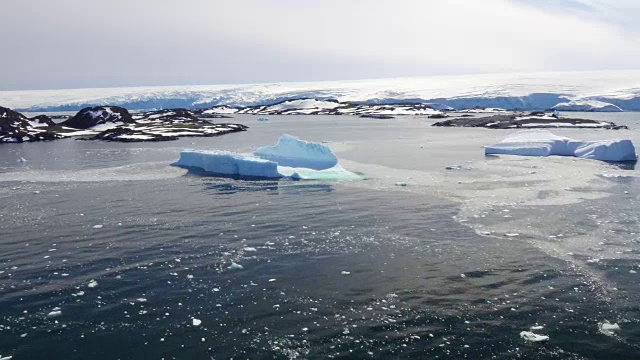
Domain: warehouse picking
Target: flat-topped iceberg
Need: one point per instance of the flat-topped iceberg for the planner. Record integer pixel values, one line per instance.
(544, 143)
(290, 157)
(227, 163)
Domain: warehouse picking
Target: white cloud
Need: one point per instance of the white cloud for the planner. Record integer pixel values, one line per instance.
(118, 42)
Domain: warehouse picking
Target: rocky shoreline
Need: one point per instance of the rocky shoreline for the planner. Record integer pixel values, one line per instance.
(535, 120)
(111, 123)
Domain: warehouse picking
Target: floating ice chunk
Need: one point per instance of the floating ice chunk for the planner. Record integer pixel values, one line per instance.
(293, 152)
(97, 226)
(235, 266)
(544, 143)
(608, 328)
(196, 322)
(250, 249)
(6, 357)
(226, 163)
(290, 157)
(54, 313)
(336, 173)
(537, 327)
(529, 336)
(345, 273)
(92, 283)
(511, 234)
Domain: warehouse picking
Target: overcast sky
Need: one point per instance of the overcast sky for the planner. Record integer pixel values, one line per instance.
(101, 43)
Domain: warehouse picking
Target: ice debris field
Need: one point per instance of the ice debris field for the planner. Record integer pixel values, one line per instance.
(290, 157)
(544, 143)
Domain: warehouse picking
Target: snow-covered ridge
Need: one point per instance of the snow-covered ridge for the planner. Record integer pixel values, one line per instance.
(536, 91)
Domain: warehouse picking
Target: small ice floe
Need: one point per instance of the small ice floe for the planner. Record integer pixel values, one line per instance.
(196, 322)
(235, 266)
(22, 160)
(54, 313)
(608, 328)
(79, 293)
(532, 337)
(345, 273)
(511, 234)
(97, 226)
(537, 327)
(92, 283)
(250, 249)
(593, 261)
(463, 276)
(272, 280)
(632, 272)
(6, 357)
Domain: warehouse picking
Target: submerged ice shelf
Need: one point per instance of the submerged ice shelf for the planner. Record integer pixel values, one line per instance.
(544, 143)
(290, 157)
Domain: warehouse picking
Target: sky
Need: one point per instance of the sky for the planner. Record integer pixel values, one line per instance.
(51, 44)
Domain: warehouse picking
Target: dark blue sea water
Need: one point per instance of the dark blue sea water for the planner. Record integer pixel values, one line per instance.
(135, 256)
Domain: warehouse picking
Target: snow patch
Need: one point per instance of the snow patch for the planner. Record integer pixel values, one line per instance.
(587, 105)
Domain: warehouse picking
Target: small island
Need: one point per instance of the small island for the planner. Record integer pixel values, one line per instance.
(534, 120)
(112, 123)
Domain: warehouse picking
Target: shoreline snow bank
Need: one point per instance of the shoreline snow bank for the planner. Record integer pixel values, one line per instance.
(544, 143)
(290, 157)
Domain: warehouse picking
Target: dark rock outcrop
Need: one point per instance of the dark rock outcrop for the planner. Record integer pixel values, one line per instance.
(92, 116)
(172, 115)
(514, 121)
(17, 128)
(377, 116)
(43, 120)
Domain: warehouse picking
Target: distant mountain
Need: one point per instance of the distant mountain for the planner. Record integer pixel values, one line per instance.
(526, 91)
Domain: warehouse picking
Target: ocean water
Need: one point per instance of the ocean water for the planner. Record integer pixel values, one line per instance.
(413, 262)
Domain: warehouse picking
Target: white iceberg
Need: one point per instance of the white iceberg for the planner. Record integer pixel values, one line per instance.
(227, 163)
(544, 143)
(290, 157)
(293, 152)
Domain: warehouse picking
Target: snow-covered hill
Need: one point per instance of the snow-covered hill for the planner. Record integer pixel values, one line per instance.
(534, 91)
